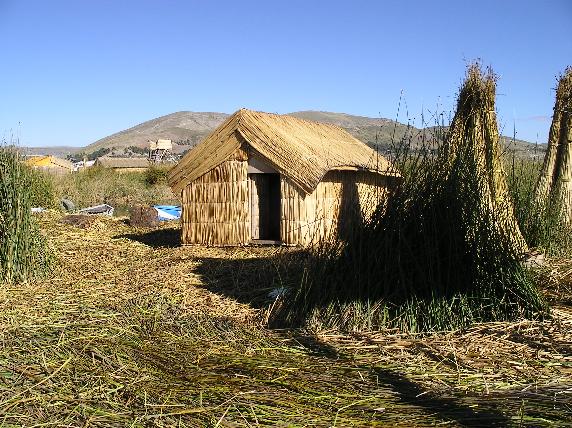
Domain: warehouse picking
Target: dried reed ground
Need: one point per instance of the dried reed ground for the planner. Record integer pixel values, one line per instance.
(126, 334)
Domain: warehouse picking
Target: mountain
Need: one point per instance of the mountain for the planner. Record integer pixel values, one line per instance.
(58, 151)
(186, 129)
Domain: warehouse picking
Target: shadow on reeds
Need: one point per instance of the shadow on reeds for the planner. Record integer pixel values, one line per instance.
(252, 280)
(159, 238)
(447, 408)
(316, 347)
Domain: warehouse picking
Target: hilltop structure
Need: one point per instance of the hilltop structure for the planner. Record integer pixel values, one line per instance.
(160, 150)
(267, 178)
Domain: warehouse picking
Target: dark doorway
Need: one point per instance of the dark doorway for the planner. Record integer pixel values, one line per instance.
(265, 206)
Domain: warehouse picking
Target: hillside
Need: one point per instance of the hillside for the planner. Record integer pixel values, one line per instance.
(187, 128)
(58, 151)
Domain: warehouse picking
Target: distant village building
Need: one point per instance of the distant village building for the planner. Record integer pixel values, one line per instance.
(123, 164)
(78, 166)
(267, 178)
(50, 164)
(160, 150)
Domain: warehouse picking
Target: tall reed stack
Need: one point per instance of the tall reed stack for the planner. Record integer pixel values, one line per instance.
(23, 252)
(554, 187)
(472, 149)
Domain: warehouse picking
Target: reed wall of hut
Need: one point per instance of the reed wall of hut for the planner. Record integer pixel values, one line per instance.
(50, 164)
(217, 207)
(341, 201)
(54, 169)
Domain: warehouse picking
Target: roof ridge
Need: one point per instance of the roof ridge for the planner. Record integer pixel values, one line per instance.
(287, 116)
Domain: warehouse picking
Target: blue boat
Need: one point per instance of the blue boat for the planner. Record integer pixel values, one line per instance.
(168, 212)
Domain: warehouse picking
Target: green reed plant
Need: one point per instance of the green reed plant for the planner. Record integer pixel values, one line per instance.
(42, 188)
(155, 175)
(97, 185)
(23, 250)
(539, 218)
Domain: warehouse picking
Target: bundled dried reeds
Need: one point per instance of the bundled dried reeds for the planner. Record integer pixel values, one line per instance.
(554, 185)
(472, 157)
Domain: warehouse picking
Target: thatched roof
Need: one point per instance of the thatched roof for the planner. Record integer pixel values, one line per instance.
(109, 162)
(48, 161)
(302, 150)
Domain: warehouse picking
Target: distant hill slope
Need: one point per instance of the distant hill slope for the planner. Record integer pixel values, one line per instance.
(186, 127)
(58, 151)
(189, 128)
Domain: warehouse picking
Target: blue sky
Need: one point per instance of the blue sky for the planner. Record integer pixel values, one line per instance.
(76, 71)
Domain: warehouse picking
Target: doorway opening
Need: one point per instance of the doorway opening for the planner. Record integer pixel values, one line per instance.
(265, 207)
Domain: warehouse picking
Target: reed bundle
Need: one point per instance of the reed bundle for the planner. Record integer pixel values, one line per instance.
(542, 191)
(554, 185)
(472, 159)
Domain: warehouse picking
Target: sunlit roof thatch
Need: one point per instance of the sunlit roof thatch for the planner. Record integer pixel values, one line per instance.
(300, 149)
(111, 162)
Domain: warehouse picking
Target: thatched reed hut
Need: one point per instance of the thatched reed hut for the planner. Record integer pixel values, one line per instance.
(123, 164)
(50, 164)
(263, 177)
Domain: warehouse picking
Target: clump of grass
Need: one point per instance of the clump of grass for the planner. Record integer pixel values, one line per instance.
(539, 219)
(155, 175)
(444, 253)
(42, 188)
(23, 251)
(97, 185)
